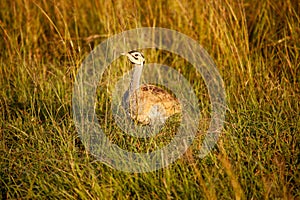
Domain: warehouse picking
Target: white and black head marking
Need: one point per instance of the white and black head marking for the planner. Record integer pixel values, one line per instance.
(135, 57)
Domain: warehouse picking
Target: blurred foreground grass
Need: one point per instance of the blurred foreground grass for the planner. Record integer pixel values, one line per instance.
(256, 46)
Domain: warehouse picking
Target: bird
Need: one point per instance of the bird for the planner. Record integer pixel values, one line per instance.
(147, 104)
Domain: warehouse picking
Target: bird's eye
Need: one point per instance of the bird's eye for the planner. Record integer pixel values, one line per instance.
(136, 55)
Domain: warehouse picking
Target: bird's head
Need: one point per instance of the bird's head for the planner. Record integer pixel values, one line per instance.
(135, 57)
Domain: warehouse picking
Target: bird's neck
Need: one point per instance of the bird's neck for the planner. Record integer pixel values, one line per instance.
(135, 79)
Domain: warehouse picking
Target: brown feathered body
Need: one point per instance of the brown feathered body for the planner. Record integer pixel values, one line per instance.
(150, 103)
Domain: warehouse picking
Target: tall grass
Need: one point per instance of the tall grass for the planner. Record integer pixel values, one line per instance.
(256, 46)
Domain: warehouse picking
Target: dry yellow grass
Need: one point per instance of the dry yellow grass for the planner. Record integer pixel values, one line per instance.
(255, 45)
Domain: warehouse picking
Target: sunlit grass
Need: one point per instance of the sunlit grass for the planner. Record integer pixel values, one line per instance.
(255, 45)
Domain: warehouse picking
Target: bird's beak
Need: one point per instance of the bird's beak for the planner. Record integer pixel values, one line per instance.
(123, 54)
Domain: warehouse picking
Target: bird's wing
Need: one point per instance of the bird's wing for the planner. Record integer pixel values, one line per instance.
(150, 95)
